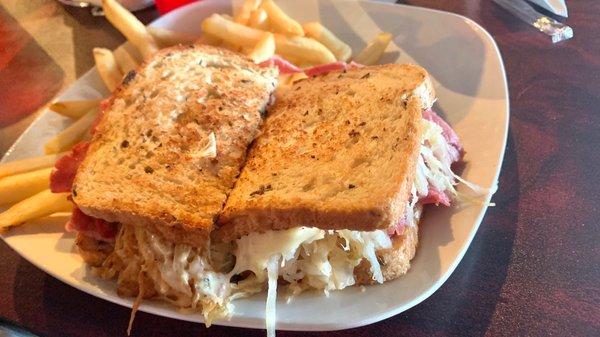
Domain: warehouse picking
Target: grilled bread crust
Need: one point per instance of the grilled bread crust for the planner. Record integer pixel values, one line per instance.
(338, 151)
(149, 162)
(394, 261)
(93, 251)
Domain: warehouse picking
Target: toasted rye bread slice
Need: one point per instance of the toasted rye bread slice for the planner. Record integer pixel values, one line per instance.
(337, 152)
(149, 163)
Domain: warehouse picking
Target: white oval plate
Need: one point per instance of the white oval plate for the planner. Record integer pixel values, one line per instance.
(470, 81)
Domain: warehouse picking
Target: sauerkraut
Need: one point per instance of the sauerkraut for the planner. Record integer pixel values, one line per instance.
(307, 258)
(434, 163)
(310, 257)
(177, 273)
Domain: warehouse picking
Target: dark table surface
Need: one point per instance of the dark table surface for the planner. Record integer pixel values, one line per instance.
(534, 267)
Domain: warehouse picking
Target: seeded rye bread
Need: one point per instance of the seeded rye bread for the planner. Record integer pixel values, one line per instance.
(145, 164)
(338, 151)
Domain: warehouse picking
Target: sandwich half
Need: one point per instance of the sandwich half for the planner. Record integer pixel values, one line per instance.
(171, 141)
(163, 157)
(333, 189)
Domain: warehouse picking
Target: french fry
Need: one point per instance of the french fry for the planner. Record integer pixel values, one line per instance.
(228, 44)
(107, 67)
(318, 32)
(247, 7)
(28, 164)
(209, 39)
(41, 204)
(287, 80)
(283, 79)
(296, 77)
(373, 51)
(72, 134)
(280, 21)
(302, 49)
(74, 109)
(167, 38)
(259, 19)
(297, 47)
(130, 26)
(264, 49)
(127, 57)
(231, 32)
(293, 60)
(231, 46)
(20, 186)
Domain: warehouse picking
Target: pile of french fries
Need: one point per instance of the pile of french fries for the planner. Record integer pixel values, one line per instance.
(260, 29)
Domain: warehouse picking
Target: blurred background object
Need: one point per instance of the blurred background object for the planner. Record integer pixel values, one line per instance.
(557, 31)
(132, 5)
(558, 7)
(165, 6)
(9, 329)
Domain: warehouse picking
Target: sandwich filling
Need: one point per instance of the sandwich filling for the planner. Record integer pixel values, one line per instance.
(305, 258)
(147, 265)
(310, 257)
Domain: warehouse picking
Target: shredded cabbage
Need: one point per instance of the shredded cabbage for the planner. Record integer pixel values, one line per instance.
(208, 147)
(306, 258)
(311, 257)
(270, 313)
(434, 169)
(434, 164)
(178, 273)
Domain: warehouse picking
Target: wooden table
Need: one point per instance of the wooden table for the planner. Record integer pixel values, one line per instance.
(534, 266)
